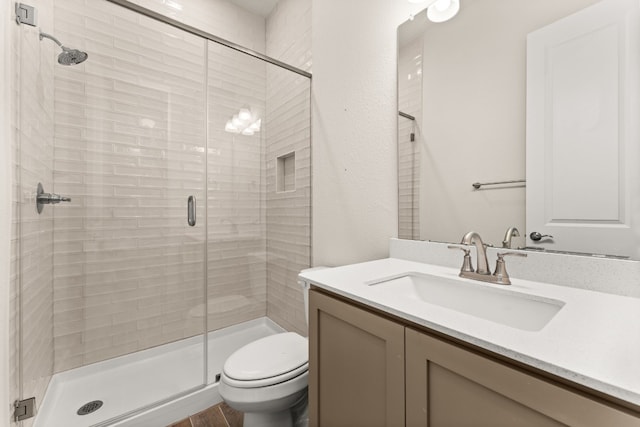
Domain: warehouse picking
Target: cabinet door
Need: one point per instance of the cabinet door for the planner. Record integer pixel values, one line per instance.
(356, 366)
(450, 386)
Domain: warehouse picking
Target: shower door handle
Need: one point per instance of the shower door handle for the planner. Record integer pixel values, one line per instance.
(191, 211)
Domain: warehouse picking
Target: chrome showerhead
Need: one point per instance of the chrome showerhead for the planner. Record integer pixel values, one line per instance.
(71, 56)
(67, 56)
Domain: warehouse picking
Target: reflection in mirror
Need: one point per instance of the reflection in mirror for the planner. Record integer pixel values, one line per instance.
(464, 82)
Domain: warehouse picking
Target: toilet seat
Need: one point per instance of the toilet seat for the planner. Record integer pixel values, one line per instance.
(267, 361)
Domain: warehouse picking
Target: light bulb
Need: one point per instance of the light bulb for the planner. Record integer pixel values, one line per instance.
(244, 114)
(229, 127)
(442, 5)
(443, 10)
(255, 126)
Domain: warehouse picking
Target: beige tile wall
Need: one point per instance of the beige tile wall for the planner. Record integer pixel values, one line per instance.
(221, 18)
(108, 302)
(288, 33)
(130, 140)
(288, 131)
(236, 186)
(410, 102)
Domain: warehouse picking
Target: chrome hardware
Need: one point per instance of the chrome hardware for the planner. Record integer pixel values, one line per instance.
(477, 185)
(406, 116)
(473, 238)
(191, 211)
(535, 236)
(43, 198)
(25, 14)
(23, 409)
(500, 274)
(499, 277)
(511, 232)
(467, 266)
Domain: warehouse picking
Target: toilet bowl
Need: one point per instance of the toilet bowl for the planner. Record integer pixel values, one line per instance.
(266, 378)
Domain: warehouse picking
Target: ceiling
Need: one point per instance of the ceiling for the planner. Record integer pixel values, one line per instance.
(259, 7)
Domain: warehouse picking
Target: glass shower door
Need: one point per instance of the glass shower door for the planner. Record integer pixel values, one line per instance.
(122, 303)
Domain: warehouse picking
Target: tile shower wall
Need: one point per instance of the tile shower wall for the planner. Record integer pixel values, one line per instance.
(410, 102)
(219, 17)
(101, 324)
(236, 187)
(129, 150)
(288, 131)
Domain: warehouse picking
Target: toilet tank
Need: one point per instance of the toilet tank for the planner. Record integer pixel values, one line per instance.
(305, 290)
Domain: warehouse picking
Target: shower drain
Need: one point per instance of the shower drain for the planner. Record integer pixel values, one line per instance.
(90, 407)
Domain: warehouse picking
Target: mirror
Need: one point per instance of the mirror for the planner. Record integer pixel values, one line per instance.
(462, 100)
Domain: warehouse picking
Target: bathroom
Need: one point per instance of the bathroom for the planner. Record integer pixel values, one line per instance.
(349, 111)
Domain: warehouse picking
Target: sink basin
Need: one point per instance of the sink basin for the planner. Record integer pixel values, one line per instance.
(510, 308)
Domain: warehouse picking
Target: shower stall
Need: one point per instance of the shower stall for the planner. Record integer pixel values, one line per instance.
(175, 189)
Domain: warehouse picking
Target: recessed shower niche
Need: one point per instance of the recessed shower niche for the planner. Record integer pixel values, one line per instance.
(286, 172)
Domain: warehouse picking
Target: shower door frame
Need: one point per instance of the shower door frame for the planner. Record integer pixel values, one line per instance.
(208, 36)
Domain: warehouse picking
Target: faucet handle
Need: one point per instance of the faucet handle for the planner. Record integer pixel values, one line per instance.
(466, 262)
(501, 255)
(460, 246)
(500, 273)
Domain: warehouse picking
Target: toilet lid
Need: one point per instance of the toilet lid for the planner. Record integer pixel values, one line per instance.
(274, 357)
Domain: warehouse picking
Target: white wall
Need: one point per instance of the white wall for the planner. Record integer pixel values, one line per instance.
(5, 211)
(354, 112)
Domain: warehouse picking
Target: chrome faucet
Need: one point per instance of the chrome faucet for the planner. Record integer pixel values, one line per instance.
(483, 273)
(511, 232)
(473, 238)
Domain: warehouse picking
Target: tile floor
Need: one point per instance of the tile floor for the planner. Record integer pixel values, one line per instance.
(220, 415)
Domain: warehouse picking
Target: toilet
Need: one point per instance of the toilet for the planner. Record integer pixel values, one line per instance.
(268, 377)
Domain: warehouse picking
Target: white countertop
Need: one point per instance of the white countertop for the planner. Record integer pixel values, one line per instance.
(594, 340)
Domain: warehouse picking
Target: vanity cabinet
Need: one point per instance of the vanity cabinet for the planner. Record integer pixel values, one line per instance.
(368, 370)
(356, 366)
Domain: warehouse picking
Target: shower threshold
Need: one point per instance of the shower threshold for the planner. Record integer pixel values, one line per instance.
(127, 383)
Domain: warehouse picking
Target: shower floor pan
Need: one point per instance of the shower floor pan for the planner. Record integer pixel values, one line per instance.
(127, 383)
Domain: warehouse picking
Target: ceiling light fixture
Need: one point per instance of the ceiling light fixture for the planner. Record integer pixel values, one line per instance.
(443, 10)
(439, 10)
